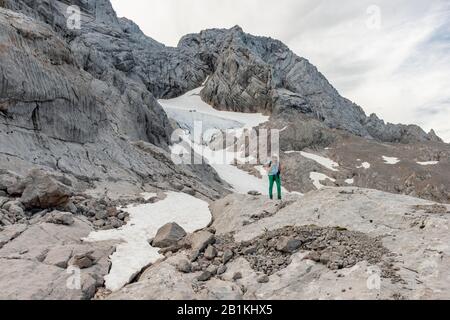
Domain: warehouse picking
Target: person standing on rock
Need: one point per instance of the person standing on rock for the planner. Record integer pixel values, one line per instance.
(273, 168)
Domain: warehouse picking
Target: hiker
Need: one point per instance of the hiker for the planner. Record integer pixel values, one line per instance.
(273, 168)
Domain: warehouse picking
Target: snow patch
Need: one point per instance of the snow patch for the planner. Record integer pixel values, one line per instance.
(135, 253)
(350, 181)
(326, 162)
(428, 163)
(390, 160)
(364, 165)
(317, 177)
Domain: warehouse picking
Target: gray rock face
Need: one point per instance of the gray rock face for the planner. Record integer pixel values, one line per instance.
(34, 258)
(89, 101)
(259, 74)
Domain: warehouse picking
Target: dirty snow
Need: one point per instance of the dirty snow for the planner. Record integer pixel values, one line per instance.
(316, 177)
(326, 162)
(390, 160)
(135, 253)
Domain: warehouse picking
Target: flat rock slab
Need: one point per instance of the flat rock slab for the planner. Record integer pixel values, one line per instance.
(34, 262)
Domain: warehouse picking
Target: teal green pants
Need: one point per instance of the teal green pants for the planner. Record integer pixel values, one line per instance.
(275, 179)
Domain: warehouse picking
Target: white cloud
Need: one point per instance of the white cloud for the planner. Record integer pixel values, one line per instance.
(401, 70)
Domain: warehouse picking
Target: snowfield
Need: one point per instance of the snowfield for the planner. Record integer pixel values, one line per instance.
(317, 177)
(364, 165)
(326, 162)
(135, 253)
(390, 160)
(192, 103)
(350, 181)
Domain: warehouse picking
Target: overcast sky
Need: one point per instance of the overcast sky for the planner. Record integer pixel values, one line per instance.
(390, 57)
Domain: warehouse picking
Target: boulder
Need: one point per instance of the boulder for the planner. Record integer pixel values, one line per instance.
(82, 261)
(183, 265)
(263, 279)
(200, 240)
(43, 191)
(8, 179)
(237, 276)
(205, 276)
(227, 256)
(57, 217)
(99, 223)
(210, 252)
(59, 256)
(221, 270)
(168, 235)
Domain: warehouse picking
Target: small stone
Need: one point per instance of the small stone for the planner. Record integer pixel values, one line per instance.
(222, 269)
(254, 193)
(210, 252)
(205, 276)
(57, 217)
(196, 267)
(313, 256)
(250, 251)
(70, 207)
(227, 256)
(99, 223)
(115, 223)
(184, 266)
(100, 215)
(112, 211)
(212, 269)
(81, 261)
(263, 279)
(237, 276)
(288, 245)
(325, 258)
